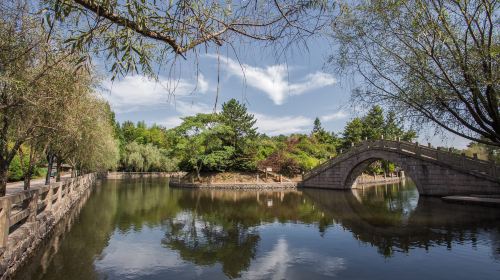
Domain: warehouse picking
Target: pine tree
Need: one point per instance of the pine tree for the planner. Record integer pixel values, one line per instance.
(317, 126)
(353, 132)
(373, 123)
(240, 123)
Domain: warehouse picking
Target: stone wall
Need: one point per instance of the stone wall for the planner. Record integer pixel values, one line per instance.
(138, 175)
(365, 181)
(235, 186)
(30, 217)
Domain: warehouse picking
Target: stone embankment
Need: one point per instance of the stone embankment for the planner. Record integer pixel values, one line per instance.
(138, 175)
(234, 181)
(235, 186)
(28, 217)
(367, 181)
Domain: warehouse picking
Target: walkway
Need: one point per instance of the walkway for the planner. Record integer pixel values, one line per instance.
(15, 187)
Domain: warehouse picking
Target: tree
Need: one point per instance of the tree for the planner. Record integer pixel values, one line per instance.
(196, 137)
(240, 133)
(129, 31)
(484, 152)
(435, 62)
(240, 123)
(317, 128)
(320, 134)
(145, 158)
(353, 132)
(37, 80)
(373, 126)
(373, 123)
(393, 131)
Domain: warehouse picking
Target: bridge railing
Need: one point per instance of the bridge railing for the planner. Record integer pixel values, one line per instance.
(473, 165)
(23, 207)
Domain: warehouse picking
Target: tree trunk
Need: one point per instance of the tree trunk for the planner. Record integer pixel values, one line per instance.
(4, 168)
(198, 174)
(59, 163)
(29, 173)
(27, 177)
(50, 161)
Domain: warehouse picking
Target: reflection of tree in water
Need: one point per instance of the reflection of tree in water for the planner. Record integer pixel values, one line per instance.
(377, 219)
(113, 205)
(219, 226)
(205, 243)
(389, 205)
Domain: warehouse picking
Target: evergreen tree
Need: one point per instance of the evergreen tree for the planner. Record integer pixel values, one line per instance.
(317, 126)
(373, 123)
(353, 132)
(241, 124)
(321, 135)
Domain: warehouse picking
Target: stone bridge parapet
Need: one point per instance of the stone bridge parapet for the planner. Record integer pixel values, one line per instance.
(435, 172)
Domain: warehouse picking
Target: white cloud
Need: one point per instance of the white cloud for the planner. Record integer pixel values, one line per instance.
(335, 116)
(273, 80)
(134, 93)
(185, 109)
(282, 125)
(171, 122)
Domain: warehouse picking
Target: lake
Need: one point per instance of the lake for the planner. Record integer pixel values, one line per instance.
(142, 229)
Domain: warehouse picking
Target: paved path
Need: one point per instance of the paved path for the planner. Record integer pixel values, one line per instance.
(15, 187)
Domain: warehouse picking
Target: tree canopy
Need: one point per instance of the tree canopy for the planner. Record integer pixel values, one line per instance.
(373, 126)
(135, 33)
(435, 62)
(47, 103)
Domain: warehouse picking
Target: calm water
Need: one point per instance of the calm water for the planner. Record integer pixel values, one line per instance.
(142, 229)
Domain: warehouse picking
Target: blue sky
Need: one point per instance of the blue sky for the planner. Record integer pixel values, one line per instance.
(285, 92)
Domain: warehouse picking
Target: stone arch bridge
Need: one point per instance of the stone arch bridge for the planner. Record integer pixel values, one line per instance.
(435, 172)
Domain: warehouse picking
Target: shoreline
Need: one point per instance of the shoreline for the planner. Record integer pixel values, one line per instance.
(118, 175)
(235, 186)
(368, 182)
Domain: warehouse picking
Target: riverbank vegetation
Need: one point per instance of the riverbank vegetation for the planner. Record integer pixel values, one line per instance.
(229, 141)
(434, 62)
(49, 112)
(425, 62)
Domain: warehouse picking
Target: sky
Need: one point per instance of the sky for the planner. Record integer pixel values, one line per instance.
(285, 92)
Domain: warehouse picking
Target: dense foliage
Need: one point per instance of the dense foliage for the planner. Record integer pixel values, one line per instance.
(48, 110)
(434, 62)
(228, 141)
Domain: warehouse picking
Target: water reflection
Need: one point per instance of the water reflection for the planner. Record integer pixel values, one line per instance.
(143, 229)
(393, 218)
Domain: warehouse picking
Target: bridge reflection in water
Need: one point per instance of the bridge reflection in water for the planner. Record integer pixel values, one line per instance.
(394, 218)
(143, 229)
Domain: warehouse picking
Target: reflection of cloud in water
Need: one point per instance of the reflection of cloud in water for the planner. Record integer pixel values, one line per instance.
(274, 264)
(324, 265)
(133, 254)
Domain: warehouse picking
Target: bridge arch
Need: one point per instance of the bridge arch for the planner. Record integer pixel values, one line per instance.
(435, 172)
(364, 160)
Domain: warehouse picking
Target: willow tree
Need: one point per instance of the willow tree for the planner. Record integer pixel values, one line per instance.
(134, 34)
(31, 89)
(434, 61)
(40, 85)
